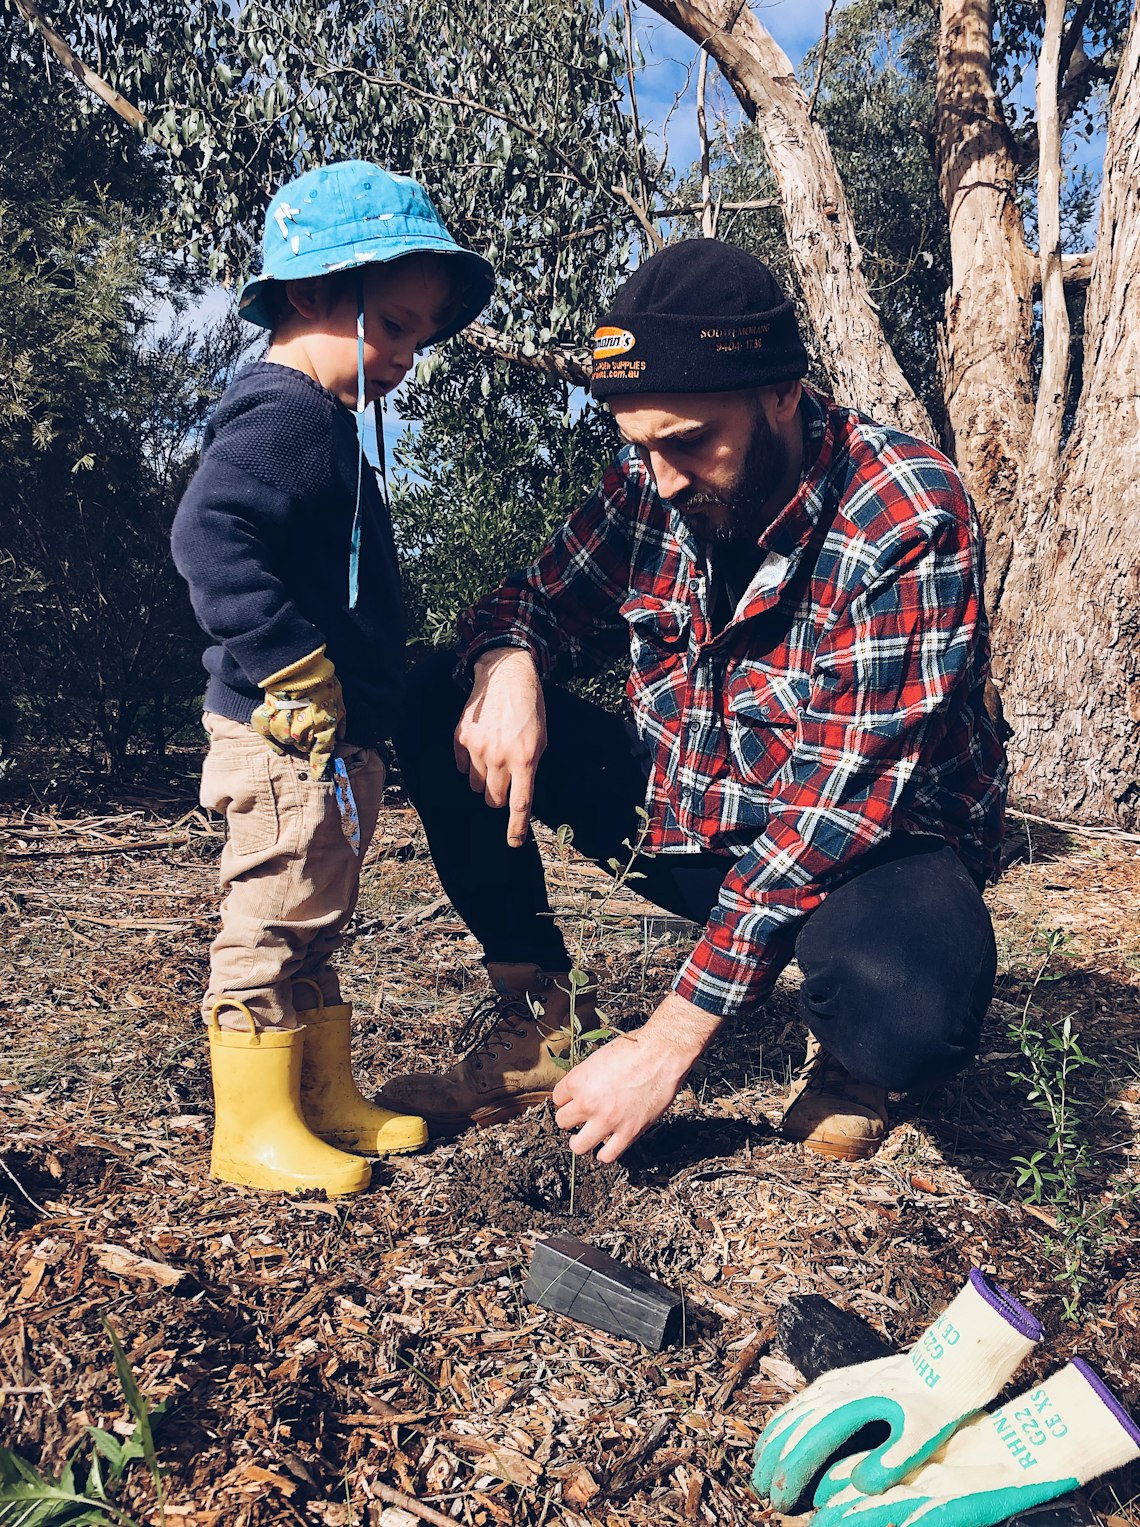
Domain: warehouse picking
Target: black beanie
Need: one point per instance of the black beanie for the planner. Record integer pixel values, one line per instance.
(698, 316)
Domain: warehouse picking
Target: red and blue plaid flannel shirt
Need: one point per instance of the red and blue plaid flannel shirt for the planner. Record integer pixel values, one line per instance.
(843, 703)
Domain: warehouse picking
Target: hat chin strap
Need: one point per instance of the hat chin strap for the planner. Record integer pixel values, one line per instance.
(354, 551)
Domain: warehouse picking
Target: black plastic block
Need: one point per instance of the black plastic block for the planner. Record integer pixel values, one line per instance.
(575, 1279)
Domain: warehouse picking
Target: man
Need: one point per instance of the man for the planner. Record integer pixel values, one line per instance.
(800, 590)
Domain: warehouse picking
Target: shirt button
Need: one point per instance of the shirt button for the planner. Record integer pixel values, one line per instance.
(694, 584)
(765, 710)
(694, 726)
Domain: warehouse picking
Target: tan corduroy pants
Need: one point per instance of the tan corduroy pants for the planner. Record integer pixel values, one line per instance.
(289, 878)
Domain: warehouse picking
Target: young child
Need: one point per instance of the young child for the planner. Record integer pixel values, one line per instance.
(286, 543)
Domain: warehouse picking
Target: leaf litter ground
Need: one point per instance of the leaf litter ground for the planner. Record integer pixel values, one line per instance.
(373, 1360)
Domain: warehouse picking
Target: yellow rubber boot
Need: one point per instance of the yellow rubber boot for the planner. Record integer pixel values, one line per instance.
(260, 1138)
(332, 1104)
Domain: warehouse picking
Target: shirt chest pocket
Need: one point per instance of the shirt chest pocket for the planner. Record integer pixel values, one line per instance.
(763, 712)
(658, 642)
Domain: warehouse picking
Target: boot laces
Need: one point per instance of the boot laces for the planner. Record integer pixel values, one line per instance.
(820, 1072)
(496, 1015)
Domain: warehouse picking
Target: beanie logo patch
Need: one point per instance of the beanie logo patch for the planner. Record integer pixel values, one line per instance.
(733, 338)
(610, 341)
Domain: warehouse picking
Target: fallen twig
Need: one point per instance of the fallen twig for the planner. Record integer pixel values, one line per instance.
(118, 848)
(39, 1208)
(412, 1505)
(1091, 832)
(747, 1359)
(128, 1264)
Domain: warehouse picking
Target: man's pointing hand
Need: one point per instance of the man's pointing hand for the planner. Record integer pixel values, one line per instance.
(502, 735)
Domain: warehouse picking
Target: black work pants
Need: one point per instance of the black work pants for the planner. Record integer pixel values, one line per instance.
(898, 962)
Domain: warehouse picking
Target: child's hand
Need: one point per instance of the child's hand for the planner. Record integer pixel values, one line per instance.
(303, 710)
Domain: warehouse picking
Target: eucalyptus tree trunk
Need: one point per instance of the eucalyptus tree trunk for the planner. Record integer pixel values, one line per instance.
(987, 351)
(1068, 637)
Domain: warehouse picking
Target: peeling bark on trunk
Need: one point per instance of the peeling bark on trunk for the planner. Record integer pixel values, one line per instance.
(1071, 611)
(987, 348)
(853, 349)
(1053, 387)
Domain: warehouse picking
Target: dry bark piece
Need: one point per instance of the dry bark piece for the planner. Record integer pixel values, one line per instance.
(744, 1363)
(817, 1336)
(128, 1264)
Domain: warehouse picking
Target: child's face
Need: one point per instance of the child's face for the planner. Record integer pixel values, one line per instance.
(403, 308)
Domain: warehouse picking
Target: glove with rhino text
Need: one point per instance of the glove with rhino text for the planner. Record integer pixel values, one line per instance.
(964, 1358)
(303, 710)
(1056, 1436)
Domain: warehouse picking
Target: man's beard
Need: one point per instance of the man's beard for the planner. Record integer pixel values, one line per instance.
(743, 521)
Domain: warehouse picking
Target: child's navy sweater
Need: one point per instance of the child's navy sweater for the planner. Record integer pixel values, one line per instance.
(263, 538)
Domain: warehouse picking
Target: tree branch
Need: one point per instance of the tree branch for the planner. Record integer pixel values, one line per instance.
(71, 60)
(642, 175)
(1072, 36)
(708, 219)
(621, 191)
(827, 15)
(694, 209)
(1049, 414)
(563, 361)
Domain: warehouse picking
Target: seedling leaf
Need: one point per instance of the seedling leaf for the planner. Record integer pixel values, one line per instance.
(140, 1409)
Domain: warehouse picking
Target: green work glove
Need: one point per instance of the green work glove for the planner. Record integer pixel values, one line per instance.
(303, 710)
(1058, 1435)
(961, 1360)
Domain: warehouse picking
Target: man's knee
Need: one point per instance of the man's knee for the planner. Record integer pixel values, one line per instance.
(901, 1026)
(899, 994)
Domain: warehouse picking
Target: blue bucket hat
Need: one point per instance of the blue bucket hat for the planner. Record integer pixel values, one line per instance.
(349, 214)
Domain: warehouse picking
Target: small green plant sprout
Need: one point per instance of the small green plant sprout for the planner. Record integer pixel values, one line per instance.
(1053, 1177)
(592, 921)
(591, 926)
(31, 1499)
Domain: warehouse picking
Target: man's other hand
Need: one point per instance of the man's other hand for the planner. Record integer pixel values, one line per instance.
(502, 735)
(616, 1093)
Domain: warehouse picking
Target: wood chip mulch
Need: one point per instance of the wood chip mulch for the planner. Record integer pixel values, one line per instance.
(374, 1360)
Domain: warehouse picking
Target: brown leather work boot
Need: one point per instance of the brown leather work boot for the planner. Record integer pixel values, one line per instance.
(510, 1065)
(830, 1112)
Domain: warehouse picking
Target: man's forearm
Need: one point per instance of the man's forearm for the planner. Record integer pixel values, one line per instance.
(683, 1028)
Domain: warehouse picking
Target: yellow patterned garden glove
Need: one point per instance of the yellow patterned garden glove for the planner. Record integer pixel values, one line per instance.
(303, 710)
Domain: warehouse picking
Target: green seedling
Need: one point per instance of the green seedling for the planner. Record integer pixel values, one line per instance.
(1054, 1176)
(29, 1498)
(591, 925)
